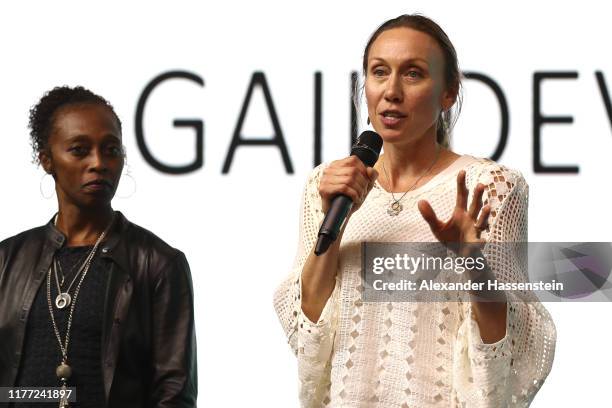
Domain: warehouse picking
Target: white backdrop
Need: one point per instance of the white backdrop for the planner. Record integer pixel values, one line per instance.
(239, 231)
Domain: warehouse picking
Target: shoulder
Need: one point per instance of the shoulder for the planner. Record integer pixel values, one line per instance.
(15, 242)
(314, 177)
(142, 239)
(152, 262)
(141, 243)
(495, 176)
(506, 190)
(311, 188)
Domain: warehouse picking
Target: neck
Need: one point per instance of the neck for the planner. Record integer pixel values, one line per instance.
(83, 226)
(409, 161)
(408, 165)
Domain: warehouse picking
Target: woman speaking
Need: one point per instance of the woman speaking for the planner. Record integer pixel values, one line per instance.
(472, 353)
(90, 301)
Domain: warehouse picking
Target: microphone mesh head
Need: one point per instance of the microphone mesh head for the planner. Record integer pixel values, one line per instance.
(367, 147)
(371, 139)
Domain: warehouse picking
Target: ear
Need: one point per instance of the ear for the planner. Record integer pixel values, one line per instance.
(449, 96)
(46, 161)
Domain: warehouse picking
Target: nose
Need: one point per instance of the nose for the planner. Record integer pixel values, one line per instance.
(98, 162)
(393, 90)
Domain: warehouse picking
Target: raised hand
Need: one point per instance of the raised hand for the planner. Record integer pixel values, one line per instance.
(465, 224)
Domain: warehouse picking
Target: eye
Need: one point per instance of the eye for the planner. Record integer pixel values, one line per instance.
(115, 151)
(79, 151)
(378, 71)
(413, 74)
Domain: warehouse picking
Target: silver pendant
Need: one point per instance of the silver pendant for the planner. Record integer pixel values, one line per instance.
(63, 402)
(62, 300)
(395, 209)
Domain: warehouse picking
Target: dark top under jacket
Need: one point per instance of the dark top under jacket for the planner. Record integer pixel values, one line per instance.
(147, 351)
(41, 352)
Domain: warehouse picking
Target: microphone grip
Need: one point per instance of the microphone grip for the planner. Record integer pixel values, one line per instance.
(332, 223)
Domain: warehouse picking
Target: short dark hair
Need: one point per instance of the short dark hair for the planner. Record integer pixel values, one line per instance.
(452, 74)
(44, 112)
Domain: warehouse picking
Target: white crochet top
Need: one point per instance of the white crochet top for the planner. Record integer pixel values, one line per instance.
(400, 354)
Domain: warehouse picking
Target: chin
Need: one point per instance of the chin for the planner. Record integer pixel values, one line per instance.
(392, 135)
(403, 135)
(96, 202)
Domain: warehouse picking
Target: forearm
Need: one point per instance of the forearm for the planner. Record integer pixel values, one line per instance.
(491, 319)
(350, 178)
(488, 307)
(316, 327)
(319, 280)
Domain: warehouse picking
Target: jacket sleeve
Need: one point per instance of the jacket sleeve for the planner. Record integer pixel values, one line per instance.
(311, 342)
(507, 373)
(174, 377)
(1, 263)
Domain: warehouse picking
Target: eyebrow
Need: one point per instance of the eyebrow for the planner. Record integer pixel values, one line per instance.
(80, 137)
(408, 61)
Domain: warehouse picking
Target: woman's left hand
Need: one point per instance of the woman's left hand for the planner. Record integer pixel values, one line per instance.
(465, 225)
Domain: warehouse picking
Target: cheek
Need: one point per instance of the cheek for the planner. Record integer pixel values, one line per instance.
(68, 171)
(119, 169)
(121, 163)
(116, 169)
(426, 100)
(65, 178)
(372, 95)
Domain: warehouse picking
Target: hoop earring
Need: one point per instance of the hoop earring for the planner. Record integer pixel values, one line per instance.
(42, 188)
(128, 174)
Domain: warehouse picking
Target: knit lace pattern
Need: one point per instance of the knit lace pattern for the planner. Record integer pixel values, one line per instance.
(402, 354)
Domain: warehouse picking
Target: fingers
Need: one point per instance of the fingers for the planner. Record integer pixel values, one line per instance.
(349, 177)
(330, 191)
(358, 182)
(476, 204)
(351, 162)
(483, 219)
(429, 215)
(332, 185)
(462, 191)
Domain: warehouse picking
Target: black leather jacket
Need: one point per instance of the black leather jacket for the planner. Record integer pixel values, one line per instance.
(148, 338)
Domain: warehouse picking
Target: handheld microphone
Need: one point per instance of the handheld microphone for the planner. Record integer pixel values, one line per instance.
(367, 148)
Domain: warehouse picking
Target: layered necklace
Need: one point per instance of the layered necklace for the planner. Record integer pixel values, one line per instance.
(63, 300)
(395, 206)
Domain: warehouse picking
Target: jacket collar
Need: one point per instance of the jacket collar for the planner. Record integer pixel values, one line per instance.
(114, 247)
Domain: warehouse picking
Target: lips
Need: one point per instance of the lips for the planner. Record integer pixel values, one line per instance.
(392, 113)
(98, 184)
(391, 117)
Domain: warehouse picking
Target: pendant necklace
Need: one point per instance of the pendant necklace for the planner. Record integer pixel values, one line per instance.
(63, 298)
(396, 207)
(61, 271)
(63, 370)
